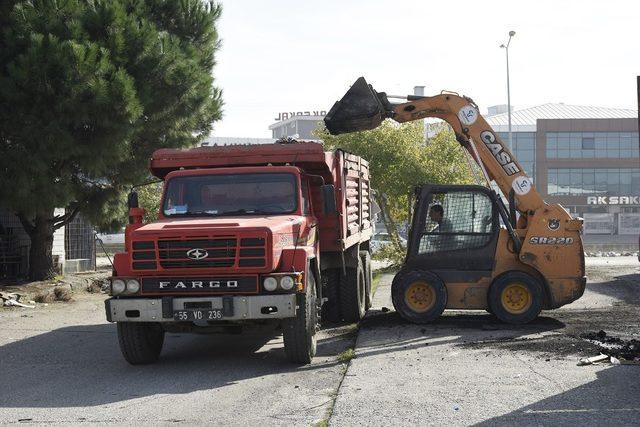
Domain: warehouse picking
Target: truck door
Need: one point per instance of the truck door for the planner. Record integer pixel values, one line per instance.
(454, 229)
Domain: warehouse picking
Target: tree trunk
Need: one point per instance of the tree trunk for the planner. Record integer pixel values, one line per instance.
(392, 229)
(40, 254)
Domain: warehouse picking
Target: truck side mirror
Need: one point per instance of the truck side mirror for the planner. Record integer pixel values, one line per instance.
(132, 199)
(136, 213)
(329, 199)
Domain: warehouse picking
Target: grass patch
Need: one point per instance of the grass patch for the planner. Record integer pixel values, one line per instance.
(347, 355)
(375, 282)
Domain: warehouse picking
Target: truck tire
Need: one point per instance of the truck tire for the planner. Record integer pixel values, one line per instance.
(140, 343)
(368, 275)
(418, 296)
(299, 333)
(516, 297)
(353, 294)
(330, 291)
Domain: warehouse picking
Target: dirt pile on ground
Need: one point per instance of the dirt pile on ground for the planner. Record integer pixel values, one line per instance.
(613, 346)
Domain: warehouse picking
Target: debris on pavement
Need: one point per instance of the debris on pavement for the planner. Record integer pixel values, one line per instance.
(614, 349)
(593, 360)
(13, 300)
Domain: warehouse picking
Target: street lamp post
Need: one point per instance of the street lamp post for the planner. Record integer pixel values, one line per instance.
(506, 48)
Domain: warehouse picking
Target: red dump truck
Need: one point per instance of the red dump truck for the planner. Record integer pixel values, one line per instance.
(245, 234)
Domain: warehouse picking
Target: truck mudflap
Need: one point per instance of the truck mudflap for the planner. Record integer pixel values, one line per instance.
(565, 291)
(170, 309)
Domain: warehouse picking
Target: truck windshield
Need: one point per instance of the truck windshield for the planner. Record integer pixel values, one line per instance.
(234, 194)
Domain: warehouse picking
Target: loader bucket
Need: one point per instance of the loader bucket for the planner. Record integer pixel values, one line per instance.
(361, 108)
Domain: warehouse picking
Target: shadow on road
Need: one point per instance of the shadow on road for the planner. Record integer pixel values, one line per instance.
(81, 366)
(625, 287)
(388, 332)
(611, 399)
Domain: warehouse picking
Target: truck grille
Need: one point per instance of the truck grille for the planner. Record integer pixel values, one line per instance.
(224, 252)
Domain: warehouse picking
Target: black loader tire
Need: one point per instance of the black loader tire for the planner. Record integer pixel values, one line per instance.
(353, 294)
(368, 274)
(516, 297)
(418, 296)
(140, 342)
(299, 333)
(330, 291)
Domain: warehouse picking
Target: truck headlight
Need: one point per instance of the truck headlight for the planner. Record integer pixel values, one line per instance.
(118, 286)
(133, 286)
(287, 283)
(270, 284)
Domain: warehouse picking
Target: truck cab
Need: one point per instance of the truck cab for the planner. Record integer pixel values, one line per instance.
(234, 243)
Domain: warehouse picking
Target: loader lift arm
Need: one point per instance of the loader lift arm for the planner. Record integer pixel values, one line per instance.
(363, 108)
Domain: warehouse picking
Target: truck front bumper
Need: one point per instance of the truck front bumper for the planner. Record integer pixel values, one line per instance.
(233, 307)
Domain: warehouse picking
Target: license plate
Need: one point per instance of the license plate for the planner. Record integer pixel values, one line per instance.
(189, 315)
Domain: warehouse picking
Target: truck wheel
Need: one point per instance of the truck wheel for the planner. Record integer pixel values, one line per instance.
(368, 275)
(299, 332)
(418, 296)
(353, 289)
(140, 343)
(330, 285)
(516, 298)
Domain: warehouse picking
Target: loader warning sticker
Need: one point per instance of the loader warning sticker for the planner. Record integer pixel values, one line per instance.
(521, 185)
(551, 240)
(468, 115)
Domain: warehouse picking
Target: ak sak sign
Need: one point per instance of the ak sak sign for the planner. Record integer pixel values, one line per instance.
(613, 200)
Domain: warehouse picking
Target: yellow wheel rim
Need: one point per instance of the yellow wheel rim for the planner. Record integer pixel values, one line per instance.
(420, 297)
(516, 298)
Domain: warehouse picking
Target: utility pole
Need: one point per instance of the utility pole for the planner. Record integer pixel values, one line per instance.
(506, 48)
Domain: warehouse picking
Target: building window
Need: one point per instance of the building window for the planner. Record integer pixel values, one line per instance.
(576, 182)
(588, 143)
(523, 148)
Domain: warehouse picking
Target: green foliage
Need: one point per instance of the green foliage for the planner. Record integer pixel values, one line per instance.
(88, 90)
(399, 160)
(149, 198)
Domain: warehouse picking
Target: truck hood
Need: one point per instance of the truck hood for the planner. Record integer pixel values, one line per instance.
(276, 223)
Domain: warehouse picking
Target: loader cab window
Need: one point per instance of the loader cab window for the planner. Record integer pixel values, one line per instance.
(457, 220)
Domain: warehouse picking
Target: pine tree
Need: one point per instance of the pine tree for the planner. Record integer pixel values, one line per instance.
(88, 89)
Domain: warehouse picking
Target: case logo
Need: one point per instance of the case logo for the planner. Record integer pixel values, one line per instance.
(501, 156)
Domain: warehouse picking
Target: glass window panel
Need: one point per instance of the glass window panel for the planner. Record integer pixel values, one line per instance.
(588, 143)
(625, 144)
(551, 153)
(613, 154)
(625, 154)
(601, 153)
(564, 154)
(552, 144)
(588, 154)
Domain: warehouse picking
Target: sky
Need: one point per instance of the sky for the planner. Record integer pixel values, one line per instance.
(286, 55)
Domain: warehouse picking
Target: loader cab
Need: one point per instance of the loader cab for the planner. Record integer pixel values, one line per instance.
(454, 231)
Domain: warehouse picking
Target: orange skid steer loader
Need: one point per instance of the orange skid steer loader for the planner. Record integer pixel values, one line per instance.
(467, 248)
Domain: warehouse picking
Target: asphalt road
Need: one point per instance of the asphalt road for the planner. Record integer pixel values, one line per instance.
(61, 364)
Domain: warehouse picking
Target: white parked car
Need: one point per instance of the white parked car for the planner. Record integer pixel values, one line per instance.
(380, 240)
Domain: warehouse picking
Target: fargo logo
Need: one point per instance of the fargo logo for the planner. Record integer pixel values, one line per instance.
(551, 240)
(198, 284)
(501, 156)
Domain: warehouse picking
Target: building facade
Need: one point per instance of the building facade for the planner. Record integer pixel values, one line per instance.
(587, 159)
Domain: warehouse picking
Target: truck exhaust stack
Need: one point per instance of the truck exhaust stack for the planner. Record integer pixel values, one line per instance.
(361, 108)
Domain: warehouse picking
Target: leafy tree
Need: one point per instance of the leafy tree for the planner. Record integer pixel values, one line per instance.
(149, 197)
(399, 159)
(88, 89)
